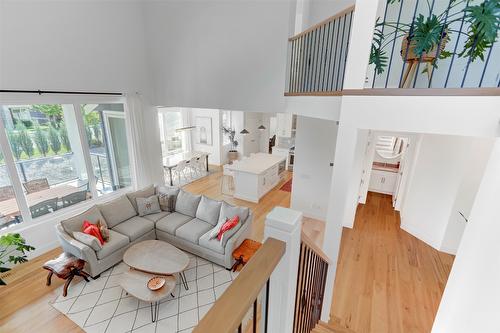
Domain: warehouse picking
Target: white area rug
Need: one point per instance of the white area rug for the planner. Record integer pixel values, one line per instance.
(102, 306)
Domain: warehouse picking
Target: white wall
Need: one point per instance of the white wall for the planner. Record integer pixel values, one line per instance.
(471, 298)
(214, 150)
(320, 10)
(314, 151)
(219, 54)
(446, 176)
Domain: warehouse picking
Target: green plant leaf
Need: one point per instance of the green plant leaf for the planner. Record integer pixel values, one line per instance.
(445, 54)
(378, 56)
(4, 269)
(484, 22)
(2, 283)
(427, 33)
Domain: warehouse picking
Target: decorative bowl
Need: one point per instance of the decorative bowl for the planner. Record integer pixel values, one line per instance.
(156, 283)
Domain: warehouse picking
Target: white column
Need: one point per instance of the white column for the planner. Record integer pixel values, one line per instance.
(344, 189)
(471, 300)
(74, 139)
(358, 55)
(286, 225)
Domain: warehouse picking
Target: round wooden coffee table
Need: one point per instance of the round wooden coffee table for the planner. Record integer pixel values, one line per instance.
(157, 257)
(135, 283)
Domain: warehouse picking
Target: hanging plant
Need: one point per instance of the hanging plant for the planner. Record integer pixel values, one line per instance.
(425, 38)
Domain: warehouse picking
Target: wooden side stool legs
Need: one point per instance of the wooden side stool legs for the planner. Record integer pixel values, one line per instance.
(65, 267)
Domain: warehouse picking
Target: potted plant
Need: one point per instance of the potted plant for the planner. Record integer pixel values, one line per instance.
(425, 39)
(13, 250)
(233, 153)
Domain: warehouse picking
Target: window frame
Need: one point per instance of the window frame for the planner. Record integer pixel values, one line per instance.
(163, 112)
(76, 101)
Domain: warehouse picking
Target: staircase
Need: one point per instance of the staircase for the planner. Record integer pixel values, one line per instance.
(332, 327)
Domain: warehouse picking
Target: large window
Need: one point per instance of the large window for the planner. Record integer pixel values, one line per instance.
(61, 155)
(171, 131)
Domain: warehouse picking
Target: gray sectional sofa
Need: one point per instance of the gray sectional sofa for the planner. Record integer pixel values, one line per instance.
(187, 226)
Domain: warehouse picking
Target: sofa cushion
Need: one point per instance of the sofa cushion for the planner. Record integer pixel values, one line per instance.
(135, 227)
(117, 211)
(171, 222)
(116, 241)
(74, 224)
(211, 244)
(146, 206)
(156, 217)
(167, 195)
(187, 203)
(144, 193)
(208, 210)
(227, 211)
(193, 230)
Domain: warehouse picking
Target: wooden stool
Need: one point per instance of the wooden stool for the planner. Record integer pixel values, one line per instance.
(65, 267)
(244, 252)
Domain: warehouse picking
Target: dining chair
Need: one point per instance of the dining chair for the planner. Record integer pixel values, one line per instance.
(180, 170)
(202, 160)
(44, 207)
(74, 198)
(36, 185)
(193, 166)
(6, 192)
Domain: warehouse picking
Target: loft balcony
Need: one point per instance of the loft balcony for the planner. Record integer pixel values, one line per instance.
(416, 45)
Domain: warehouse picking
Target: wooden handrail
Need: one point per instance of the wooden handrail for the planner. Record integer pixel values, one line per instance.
(326, 21)
(404, 92)
(229, 310)
(312, 245)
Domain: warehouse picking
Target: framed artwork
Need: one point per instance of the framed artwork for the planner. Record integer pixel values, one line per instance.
(204, 130)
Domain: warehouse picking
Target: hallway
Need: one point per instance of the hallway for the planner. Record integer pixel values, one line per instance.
(387, 280)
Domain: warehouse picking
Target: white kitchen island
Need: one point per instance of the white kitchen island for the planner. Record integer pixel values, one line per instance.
(256, 175)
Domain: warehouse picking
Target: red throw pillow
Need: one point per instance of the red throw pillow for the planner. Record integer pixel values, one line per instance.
(92, 230)
(228, 225)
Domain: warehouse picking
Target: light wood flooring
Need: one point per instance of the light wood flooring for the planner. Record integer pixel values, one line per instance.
(387, 280)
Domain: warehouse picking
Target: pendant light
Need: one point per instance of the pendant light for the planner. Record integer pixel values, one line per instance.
(261, 128)
(244, 132)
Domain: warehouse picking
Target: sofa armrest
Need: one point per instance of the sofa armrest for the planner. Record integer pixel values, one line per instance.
(76, 248)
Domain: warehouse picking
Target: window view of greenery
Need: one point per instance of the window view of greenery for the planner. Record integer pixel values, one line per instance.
(171, 142)
(7, 199)
(106, 135)
(48, 157)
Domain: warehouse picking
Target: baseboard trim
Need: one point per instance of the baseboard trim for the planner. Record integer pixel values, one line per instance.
(426, 238)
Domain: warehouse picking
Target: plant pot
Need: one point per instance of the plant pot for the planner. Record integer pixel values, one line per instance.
(426, 56)
(232, 155)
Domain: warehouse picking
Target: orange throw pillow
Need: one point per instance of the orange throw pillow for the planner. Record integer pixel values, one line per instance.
(228, 225)
(92, 230)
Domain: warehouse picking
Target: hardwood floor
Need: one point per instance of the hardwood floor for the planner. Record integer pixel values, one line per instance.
(387, 280)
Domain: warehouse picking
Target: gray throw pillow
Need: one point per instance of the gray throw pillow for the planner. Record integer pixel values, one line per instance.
(148, 206)
(74, 224)
(144, 193)
(87, 239)
(187, 203)
(208, 210)
(167, 195)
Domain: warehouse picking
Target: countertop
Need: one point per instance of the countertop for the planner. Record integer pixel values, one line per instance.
(257, 163)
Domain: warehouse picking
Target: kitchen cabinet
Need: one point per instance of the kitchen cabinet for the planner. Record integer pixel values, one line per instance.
(382, 181)
(284, 125)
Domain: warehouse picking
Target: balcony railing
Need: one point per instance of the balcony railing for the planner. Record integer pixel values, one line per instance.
(435, 44)
(317, 56)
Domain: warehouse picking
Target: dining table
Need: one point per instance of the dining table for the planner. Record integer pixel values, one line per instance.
(10, 208)
(173, 160)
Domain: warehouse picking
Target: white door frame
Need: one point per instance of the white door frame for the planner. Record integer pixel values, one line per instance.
(106, 115)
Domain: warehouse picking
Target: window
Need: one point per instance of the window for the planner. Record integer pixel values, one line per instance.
(9, 209)
(226, 123)
(172, 139)
(106, 135)
(59, 157)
